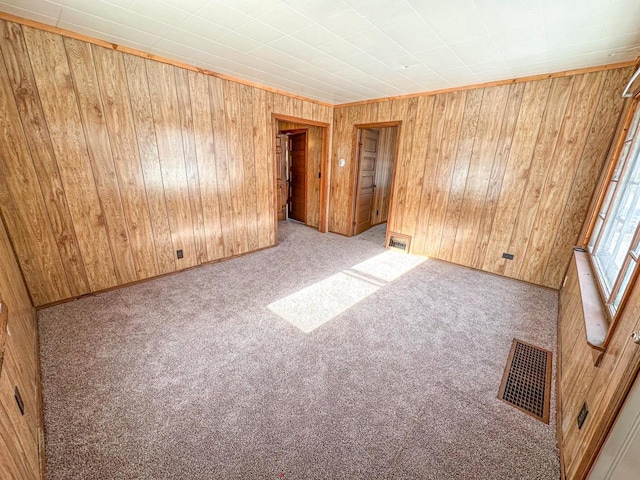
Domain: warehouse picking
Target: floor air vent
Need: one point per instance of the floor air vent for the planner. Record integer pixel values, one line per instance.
(526, 383)
(399, 242)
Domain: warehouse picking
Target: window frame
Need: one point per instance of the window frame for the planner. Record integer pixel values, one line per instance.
(633, 253)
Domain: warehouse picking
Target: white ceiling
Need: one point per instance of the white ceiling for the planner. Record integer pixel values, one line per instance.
(347, 50)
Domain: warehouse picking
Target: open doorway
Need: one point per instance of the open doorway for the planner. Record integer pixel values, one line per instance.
(294, 159)
(376, 155)
(301, 165)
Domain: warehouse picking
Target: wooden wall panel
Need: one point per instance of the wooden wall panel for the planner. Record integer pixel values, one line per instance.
(112, 78)
(39, 254)
(191, 164)
(603, 388)
(119, 161)
(140, 98)
(21, 436)
(491, 170)
(219, 124)
(85, 82)
(58, 96)
(207, 170)
(166, 119)
(20, 75)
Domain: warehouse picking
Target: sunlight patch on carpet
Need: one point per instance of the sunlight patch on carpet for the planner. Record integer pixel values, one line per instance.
(315, 305)
(389, 265)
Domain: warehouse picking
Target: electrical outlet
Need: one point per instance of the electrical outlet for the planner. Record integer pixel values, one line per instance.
(179, 253)
(508, 256)
(584, 411)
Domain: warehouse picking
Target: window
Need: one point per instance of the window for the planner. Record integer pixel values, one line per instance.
(614, 244)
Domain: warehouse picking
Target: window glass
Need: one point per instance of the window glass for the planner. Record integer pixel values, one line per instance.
(612, 246)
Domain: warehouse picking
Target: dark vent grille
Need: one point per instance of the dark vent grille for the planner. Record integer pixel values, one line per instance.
(526, 383)
(399, 242)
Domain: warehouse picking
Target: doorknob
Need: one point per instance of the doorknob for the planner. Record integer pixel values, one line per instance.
(636, 337)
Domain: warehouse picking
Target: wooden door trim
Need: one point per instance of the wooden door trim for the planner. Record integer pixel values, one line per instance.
(325, 168)
(355, 162)
(354, 206)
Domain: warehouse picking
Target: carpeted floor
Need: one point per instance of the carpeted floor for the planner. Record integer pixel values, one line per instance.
(376, 234)
(207, 374)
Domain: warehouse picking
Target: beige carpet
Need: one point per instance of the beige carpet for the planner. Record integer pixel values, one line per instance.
(215, 374)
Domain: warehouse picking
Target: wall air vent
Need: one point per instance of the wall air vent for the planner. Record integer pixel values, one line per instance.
(399, 242)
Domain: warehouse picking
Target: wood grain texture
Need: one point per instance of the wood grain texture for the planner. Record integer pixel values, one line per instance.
(34, 237)
(20, 75)
(207, 170)
(166, 119)
(20, 435)
(118, 161)
(99, 149)
(59, 100)
(191, 164)
(603, 388)
(481, 172)
(150, 161)
(112, 78)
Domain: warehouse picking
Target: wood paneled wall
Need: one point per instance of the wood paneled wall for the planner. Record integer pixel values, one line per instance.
(21, 436)
(603, 388)
(509, 168)
(116, 162)
(314, 165)
(387, 141)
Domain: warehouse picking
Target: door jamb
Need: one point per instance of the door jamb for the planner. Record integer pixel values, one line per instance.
(325, 169)
(298, 131)
(355, 168)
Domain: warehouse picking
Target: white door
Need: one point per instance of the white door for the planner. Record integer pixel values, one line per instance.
(619, 459)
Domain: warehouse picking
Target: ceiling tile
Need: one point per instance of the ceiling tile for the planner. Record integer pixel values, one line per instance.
(142, 46)
(40, 7)
(441, 58)
(8, 6)
(285, 19)
(315, 35)
(379, 12)
(239, 42)
(259, 31)
(500, 14)
(453, 20)
(197, 26)
(248, 7)
(513, 46)
(376, 43)
(160, 11)
(347, 22)
(70, 17)
(116, 15)
(221, 14)
(476, 51)
(289, 45)
(315, 9)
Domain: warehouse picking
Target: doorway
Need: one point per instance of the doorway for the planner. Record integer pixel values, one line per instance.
(376, 154)
(301, 164)
(296, 166)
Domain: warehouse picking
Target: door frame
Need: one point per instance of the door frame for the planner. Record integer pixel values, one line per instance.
(325, 168)
(297, 131)
(356, 169)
